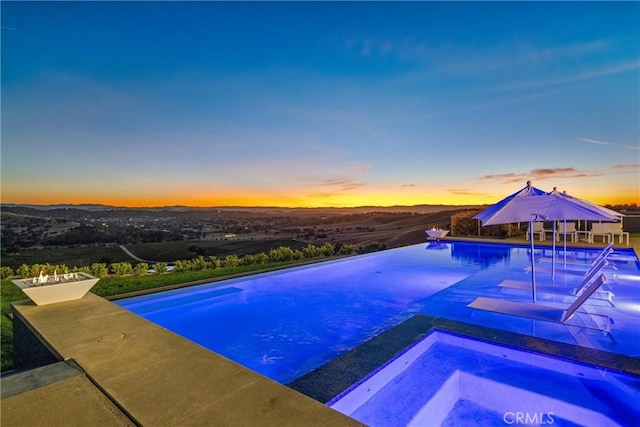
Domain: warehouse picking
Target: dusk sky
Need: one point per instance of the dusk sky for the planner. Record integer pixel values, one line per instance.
(318, 104)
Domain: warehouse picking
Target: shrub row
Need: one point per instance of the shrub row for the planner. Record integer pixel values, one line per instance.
(120, 269)
(463, 224)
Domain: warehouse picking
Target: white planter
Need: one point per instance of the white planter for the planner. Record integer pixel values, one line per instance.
(47, 290)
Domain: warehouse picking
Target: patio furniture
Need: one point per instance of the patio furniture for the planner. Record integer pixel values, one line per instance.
(557, 290)
(538, 228)
(615, 228)
(596, 267)
(586, 289)
(604, 253)
(585, 233)
(600, 229)
(539, 311)
(569, 229)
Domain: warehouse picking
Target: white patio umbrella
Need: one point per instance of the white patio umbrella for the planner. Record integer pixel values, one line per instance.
(528, 205)
(587, 204)
(528, 190)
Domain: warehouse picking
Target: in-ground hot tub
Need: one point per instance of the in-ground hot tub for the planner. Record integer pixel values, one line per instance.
(446, 379)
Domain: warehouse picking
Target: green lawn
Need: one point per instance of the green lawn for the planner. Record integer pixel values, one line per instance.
(8, 294)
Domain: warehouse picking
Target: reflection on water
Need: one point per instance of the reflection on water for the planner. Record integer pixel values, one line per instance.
(484, 255)
(436, 245)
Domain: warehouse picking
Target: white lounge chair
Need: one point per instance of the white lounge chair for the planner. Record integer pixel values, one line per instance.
(586, 289)
(600, 295)
(538, 228)
(615, 228)
(570, 230)
(538, 311)
(600, 229)
(604, 253)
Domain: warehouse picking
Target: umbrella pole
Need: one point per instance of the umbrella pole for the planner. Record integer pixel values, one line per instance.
(553, 252)
(533, 264)
(565, 243)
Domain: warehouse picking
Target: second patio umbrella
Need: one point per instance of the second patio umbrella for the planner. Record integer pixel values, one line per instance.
(529, 205)
(589, 205)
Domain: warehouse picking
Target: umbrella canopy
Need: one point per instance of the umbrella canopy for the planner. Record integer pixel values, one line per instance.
(490, 211)
(531, 204)
(588, 205)
(544, 207)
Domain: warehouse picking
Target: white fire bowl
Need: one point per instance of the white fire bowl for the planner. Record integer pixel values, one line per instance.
(52, 292)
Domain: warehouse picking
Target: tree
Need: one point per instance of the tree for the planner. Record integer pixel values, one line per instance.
(328, 249)
(141, 268)
(6, 272)
(463, 224)
(261, 258)
(122, 268)
(99, 269)
(311, 251)
(371, 247)
(231, 261)
(24, 271)
(347, 249)
(214, 262)
(160, 267)
(182, 265)
(282, 253)
(199, 263)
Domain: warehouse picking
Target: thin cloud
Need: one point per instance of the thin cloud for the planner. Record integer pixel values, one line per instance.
(499, 176)
(595, 141)
(557, 172)
(499, 103)
(464, 192)
(408, 185)
(623, 167)
(407, 50)
(460, 59)
(342, 185)
(617, 69)
(335, 187)
(508, 57)
(538, 175)
(320, 195)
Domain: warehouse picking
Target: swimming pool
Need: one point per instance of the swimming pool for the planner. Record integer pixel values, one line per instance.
(446, 379)
(284, 324)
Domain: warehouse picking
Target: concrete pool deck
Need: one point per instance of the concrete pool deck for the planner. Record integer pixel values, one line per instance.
(132, 372)
(108, 366)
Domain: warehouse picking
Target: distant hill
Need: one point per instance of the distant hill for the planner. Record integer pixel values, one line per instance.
(86, 207)
(422, 209)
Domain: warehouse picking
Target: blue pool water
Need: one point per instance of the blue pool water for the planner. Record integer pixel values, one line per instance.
(448, 380)
(284, 324)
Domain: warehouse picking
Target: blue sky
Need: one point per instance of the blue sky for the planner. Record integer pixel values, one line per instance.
(318, 104)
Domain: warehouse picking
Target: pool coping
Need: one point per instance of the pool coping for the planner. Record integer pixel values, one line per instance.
(338, 375)
(144, 373)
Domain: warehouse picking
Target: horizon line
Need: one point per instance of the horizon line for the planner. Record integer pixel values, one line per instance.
(238, 206)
